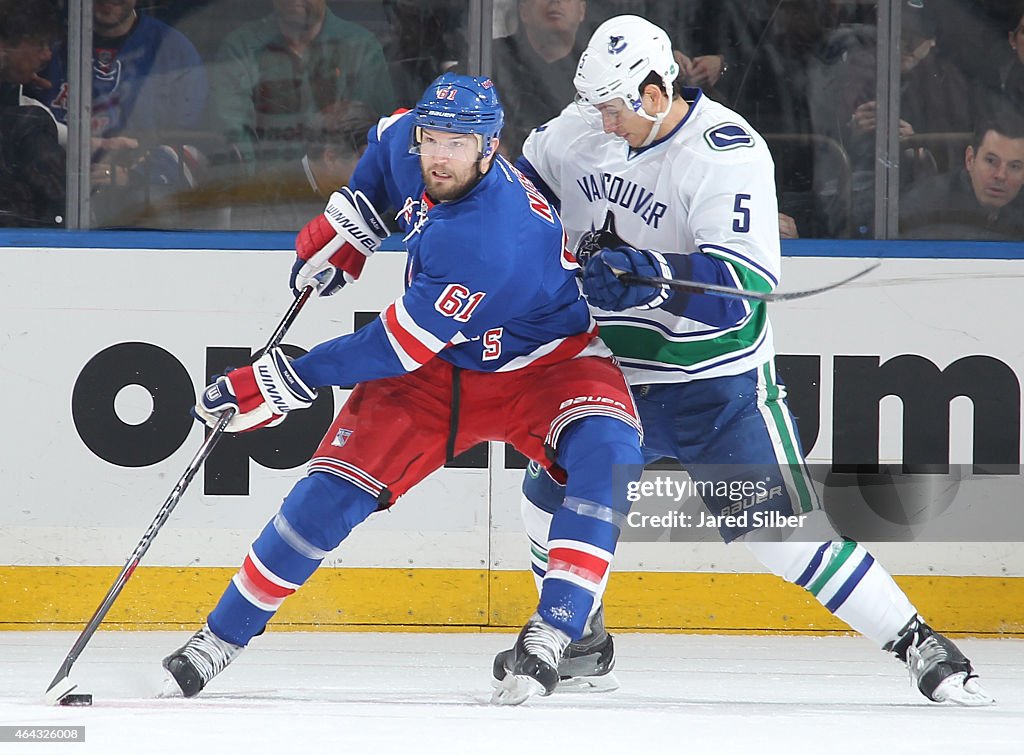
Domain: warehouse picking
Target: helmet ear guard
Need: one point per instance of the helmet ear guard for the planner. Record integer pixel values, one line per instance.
(460, 105)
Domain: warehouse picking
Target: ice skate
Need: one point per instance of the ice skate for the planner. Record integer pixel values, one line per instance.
(585, 666)
(195, 663)
(533, 669)
(937, 667)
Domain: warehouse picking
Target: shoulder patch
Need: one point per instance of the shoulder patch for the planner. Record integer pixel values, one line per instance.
(726, 136)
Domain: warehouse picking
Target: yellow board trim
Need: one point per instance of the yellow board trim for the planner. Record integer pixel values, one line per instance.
(473, 600)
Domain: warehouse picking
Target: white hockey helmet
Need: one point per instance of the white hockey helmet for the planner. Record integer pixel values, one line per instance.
(620, 55)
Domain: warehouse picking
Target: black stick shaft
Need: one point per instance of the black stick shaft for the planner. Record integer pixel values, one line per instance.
(172, 500)
(713, 289)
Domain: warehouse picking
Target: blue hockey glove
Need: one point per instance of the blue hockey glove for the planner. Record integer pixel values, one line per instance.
(605, 290)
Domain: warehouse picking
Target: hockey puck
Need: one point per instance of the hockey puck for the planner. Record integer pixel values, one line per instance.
(76, 700)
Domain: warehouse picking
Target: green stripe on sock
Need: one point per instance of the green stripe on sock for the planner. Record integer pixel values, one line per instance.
(788, 441)
(836, 560)
(539, 555)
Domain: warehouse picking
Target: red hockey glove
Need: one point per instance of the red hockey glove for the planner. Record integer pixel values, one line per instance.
(333, 247)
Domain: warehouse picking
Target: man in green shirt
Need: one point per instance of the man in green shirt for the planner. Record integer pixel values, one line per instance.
(274, 74)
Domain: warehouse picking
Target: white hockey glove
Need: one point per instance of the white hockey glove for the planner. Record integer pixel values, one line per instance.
(261, 394)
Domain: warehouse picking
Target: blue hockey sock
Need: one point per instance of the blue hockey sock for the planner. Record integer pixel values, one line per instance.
(317, 515)
(599, 455)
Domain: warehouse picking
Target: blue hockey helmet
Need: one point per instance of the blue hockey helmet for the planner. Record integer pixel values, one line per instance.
(460, 105)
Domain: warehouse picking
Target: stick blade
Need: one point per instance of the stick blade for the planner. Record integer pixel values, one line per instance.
(58, 689)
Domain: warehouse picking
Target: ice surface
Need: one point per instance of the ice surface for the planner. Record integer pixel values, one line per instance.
(370, 693)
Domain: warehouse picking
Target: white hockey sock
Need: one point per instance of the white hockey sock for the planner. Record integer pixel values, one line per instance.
(846, 579)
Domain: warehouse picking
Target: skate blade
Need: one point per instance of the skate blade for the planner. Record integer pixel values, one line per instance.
(588, 684)
(515, 690)
(170, 689)
(960, 690)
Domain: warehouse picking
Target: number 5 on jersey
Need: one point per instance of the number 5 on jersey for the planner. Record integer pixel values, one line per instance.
(492, 344)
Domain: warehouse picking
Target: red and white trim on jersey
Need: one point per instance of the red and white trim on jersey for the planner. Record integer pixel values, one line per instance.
(260, 586)
(347, 471)
(582, 564)
(414, 346)
(571, 347)
(390, 120)
(592, 406)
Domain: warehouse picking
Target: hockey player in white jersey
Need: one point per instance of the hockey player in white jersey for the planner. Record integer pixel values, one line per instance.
(656, 182)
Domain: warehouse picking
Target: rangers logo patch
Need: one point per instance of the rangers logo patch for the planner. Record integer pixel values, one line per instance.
(726, 136)
(341, 438)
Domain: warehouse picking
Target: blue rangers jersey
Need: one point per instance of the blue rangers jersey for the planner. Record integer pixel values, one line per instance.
(153, 80)
(490, 284)
(703, 197)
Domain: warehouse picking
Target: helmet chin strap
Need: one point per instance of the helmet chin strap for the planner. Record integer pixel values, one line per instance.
(657, 119)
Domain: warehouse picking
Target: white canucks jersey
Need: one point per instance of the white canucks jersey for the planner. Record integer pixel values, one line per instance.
(707, 187)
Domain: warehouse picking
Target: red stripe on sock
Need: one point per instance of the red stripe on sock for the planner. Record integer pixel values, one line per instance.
(582, 564)
(267, 589)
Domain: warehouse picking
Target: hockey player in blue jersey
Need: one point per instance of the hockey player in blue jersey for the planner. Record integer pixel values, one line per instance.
(491, 340)
(659, 182)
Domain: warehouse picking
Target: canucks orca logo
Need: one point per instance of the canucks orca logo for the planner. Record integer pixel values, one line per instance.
(616, 44)
(726, 136)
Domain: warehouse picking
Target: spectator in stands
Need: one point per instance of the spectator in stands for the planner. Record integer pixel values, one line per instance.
(148, 86)
(755, 57)
(284, 198)
(274, 74)
(32, 161)
(147, 76)
(426, 40)
(774, 48)
(1011, 75)
(983, 199)
(935, 98)
(706, 34)
(533, 69)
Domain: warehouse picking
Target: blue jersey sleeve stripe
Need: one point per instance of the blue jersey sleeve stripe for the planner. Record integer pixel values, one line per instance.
(741, 259)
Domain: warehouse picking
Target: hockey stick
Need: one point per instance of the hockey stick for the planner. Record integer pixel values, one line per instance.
(713, 289)
(62, 685)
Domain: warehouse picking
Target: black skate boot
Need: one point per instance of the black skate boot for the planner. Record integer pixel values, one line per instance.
(937, 667)
(585, 666)
(195, 663)
(534, 664)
